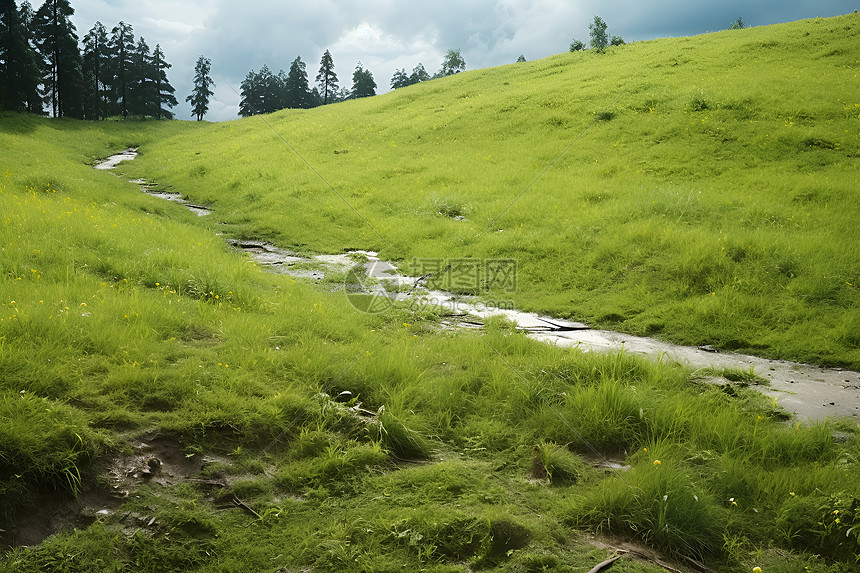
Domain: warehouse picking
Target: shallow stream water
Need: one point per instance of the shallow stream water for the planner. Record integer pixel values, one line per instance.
(809, 392)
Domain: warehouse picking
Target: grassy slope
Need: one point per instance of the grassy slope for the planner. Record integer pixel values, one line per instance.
(124, 314)
(716, 205)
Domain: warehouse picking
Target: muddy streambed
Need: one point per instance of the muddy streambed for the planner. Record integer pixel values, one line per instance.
(148, 187)
(809, 392)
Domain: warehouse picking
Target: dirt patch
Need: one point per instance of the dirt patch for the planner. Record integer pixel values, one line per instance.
(153, 459)
(50, 514)
(642, 554)
(609, 464)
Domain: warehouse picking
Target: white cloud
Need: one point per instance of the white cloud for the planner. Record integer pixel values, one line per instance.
(375, 47)
(170, 28)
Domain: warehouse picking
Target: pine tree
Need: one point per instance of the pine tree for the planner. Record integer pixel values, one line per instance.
(316, 99)
(298, 90)
(363, 84)
(120, 48)
(271, 90)
(96, 72)
(19, 64)
(58, 46)
(36, 103)
(276, 92)
(141, 89)
(201, 92)
(400, 79)
(326, 78)
(263, 92)
(251, 99)
(164, 92)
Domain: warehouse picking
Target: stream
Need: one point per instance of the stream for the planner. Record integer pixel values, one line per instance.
(810, 392)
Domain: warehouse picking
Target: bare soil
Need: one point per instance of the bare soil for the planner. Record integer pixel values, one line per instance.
(153, 459)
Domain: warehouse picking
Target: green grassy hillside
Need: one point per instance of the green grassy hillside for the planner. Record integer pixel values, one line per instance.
(707, 196)
(708, 201)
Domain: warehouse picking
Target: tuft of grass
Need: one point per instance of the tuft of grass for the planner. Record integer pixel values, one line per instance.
(657, 503)
(402, 442)
(745, 377)
(698, 102)
(557, 464)
(826, 524)
(44, 444)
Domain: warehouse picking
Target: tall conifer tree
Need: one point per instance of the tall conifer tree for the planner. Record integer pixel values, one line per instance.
(120, 48)
(201, 92)
(263, 92)
(36, 104)
(250, 101)
(164, 92)
(19, 64)
(363, 84)
(96, 72)
(298, 90)
(142, 85)
(58, 46)
(327, 79)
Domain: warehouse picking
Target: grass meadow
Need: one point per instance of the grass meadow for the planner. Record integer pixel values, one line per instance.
(707, 195)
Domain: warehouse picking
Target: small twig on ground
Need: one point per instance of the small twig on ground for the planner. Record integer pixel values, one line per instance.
(239, 503)
(665, 566)
(698, 565)
(605, 564)
(213, 483)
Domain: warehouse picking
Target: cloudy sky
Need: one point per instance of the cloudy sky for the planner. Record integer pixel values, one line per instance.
(385, 35)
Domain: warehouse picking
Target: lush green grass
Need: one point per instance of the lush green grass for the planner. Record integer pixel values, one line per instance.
(707, 196)
(125, 315)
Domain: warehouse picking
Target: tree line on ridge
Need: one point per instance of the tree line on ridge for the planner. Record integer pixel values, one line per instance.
(43, 69)
(264, 91)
